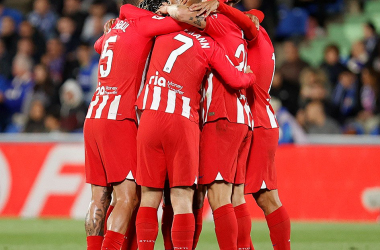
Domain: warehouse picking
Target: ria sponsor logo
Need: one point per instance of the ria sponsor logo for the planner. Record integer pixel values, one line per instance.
(162, 82)
(147, 241)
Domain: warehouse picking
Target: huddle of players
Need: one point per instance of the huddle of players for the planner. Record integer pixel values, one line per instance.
(225, 156)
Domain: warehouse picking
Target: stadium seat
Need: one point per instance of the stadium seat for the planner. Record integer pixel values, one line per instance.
(357, 18)
(336, 32)
(372, 7)
(376, 21)
(353, 31)
(313, 52)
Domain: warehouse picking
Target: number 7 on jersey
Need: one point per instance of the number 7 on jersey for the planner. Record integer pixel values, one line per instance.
(188, 43)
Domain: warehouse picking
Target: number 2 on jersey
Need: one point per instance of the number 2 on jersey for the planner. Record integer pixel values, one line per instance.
(109, 54)
(188, 43)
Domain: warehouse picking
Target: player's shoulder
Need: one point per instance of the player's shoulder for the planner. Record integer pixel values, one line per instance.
(129, 11)
(205, 41)
(223, 20)
(263, 35)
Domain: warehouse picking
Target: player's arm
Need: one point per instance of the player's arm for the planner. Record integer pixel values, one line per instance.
(152, 26)
(99, 45)
(182, 13)
(234, 78)
(249, 27)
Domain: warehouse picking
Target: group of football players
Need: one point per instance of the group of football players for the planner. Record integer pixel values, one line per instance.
(179, 115)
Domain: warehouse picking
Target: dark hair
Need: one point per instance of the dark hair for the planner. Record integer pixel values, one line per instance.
(133, 2)
(151, 5)
(371, 26)
(234, 1)
(333, 47)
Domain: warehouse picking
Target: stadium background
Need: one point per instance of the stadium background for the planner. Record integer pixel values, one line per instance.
(326, 93)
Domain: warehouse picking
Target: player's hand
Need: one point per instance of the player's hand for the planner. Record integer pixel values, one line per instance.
(205, 8)
(184, 2)
(163, 10)
(248, 70)
(108, 25)
(254, 19)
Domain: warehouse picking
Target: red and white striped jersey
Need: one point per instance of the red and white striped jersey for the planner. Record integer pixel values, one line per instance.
(261, 58)
(124, 52)
(178, 66)
(221, 101)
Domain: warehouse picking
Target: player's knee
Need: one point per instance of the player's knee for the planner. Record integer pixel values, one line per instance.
(268, 201)
(218, 197)
(199, 197)
(238, 200)
(150, 197)
(182, 200)
(238, 195)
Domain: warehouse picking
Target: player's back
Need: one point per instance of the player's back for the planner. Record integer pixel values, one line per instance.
(261, 58)
(222, 101)
(123, 57)
(178, 65)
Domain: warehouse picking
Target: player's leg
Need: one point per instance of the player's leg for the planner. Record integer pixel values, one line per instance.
(276, 216)
(126, 201)
(181, 147)
(199, 197)
(130, 240)
(243, 217)
(167, 218)
(220, 145)
(147, 221)
(109, 211)
(238, 201)
(95, 217)
(183, 222)
(101, 194)
(219, 195)
(151, 175)
(261, 182)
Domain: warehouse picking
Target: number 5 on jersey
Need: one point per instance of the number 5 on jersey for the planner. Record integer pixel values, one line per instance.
(109, 54)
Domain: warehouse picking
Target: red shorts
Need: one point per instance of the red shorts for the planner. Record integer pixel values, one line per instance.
(110, 151)
(167, 146)
(261, 170)
(224, 151)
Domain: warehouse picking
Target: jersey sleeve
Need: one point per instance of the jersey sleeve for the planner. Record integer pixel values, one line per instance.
(215, 27)
(151, 26)
(234, 78)
(128, 11)
(99, 44)
(240, 19)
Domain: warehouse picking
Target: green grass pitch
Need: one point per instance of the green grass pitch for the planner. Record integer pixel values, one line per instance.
(69, 234)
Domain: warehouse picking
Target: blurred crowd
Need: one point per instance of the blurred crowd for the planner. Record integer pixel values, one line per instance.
(48, 67)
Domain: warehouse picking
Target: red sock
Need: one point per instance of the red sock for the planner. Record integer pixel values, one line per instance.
(94, 242)
(279, 228)
(166, 226)
(112, 240)
(146, 228)
(130, 241)
(243, 218)
(109, 211)
(226, 227)
(183, 231)
(198, 215)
